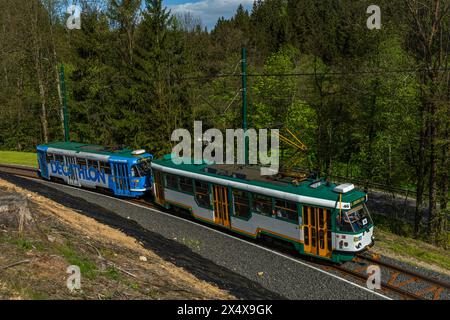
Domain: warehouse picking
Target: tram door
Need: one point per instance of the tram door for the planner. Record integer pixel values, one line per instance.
(159, 187)
(317, 231)
(43, 165)
(221, 206)
(121, 179)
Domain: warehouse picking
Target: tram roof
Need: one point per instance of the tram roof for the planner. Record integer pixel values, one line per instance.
(251, 175)
(91, 148)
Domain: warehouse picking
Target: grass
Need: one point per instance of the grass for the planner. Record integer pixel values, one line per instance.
(193, 244)
(35, 295)
(134, 285)
(21, 158)
(24, 289)
(397, 236)
(88, 267)
(413, 248)
(112, 273)
(22, 244)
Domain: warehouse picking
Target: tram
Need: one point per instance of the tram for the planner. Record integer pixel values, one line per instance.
(125, 172)
(318, 218)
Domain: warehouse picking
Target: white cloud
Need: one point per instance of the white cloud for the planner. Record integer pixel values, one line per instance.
(209, 11)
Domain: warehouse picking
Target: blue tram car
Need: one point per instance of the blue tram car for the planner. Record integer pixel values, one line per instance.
(125, 172)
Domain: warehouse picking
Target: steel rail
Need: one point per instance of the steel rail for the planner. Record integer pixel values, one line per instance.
(19, 170)
(436, 285)
(384, 285)
(407, 272)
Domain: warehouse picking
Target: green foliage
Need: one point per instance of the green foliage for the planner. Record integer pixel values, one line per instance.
(88, 267)
(112, 273)
(396, 226)
(275, 94)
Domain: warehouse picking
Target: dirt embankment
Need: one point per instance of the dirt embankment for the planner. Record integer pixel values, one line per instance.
(46, 238)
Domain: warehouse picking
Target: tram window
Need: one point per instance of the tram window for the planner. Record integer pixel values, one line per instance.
(202, 194)
(262, 205)
(354, 220)
(143, 168)
(286, 209)
(59, 158)
(313, 216)
(135, 172)
(305, 216)
(81, 162)
(329, 244)
(172, 181)
(328, 219)
(306, 235)
(321, 239)
(186, 185)
(342, 222)
(105, 167)
(49, 157)
(313, 237)
(92, 164)
(241, 200)
(321, 218)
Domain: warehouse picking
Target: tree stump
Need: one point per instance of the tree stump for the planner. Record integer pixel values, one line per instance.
(14, 212)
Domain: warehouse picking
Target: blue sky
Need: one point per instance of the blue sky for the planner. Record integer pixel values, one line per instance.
(207, 10)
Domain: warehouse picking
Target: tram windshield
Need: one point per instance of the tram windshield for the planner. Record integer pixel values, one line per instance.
(143, 168)
(355, 220)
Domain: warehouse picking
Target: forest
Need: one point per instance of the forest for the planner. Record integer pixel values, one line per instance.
(368, 104)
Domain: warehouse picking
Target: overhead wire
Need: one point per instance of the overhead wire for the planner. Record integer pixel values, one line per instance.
(306, 74)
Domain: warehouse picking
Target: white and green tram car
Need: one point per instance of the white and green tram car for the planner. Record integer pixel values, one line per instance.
(320, 219)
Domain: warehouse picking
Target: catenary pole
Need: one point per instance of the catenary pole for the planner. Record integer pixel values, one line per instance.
(244, 102)
(64, 95)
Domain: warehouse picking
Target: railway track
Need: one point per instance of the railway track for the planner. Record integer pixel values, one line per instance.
(19, 170)
(405, 284)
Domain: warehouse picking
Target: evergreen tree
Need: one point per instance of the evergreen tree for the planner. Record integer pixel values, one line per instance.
(158, 97)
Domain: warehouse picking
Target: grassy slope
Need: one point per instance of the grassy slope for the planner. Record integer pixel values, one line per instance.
(411, 250)
(22, 158)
